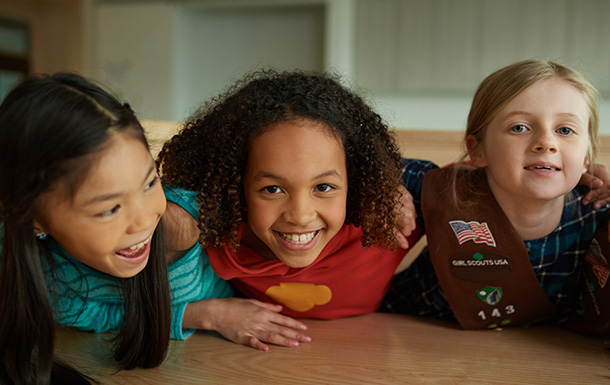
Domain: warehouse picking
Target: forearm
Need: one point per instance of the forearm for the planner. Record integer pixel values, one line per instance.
(201, 314)
(246, 321)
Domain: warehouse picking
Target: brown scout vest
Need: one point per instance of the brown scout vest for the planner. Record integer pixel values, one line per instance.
(481, 262)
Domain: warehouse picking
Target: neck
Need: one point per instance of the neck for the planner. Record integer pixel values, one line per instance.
(531, 218)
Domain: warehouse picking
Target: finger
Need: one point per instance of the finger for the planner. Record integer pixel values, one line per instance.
(408, 225)
(252, 341)
(276, 338)
(403, 243)
(596, 183)
(290, 334)
(590, 197)
(601, 203)
(288, 322)
(596, 191)
(601, 171)
(587, 179)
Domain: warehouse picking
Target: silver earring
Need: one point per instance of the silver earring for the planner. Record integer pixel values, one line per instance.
(41, 235)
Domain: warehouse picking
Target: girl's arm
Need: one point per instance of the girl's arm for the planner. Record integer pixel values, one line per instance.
(413, 171)
(245, 321)
(90, 315)
(406, 218)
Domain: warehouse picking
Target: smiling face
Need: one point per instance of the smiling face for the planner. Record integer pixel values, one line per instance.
(296, 190)
(108, 223)
(535, 148)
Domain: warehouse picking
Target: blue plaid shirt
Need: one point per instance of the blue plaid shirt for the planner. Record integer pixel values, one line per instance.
(556, 258)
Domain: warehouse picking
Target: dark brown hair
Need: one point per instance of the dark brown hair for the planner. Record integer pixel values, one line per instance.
(51, 127)
(209, 154)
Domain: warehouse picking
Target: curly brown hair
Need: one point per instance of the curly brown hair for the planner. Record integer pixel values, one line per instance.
(209, 154)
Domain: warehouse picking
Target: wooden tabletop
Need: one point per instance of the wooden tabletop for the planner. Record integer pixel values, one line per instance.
(372, 349)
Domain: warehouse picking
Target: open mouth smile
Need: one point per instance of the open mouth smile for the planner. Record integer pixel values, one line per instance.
(135, 250)
(298, 239)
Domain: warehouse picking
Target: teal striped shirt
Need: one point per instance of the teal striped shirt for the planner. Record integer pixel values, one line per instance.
(91, 300)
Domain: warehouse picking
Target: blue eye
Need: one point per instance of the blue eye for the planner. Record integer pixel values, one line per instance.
(565, 131)
(323, 187)
(518, 128)
(109, 212)
(272, 189)
(152, 183)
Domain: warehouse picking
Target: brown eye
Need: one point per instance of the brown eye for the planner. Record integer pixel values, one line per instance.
(323, 187)
(109, 212)
(152, 184)
(272, 189)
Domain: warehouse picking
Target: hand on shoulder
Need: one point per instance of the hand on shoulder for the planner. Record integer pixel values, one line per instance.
(180, 228)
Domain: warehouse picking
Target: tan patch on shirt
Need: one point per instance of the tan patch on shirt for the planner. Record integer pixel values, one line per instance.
(300, 296)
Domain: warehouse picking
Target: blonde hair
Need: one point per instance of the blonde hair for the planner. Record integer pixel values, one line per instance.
(502, 86)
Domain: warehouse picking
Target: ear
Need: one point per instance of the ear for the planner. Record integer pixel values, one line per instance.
(585, 168)
(477, 158)
(38, 228)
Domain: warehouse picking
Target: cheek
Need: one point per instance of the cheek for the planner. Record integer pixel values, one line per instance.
(90, 248)
(160, 203)
(335, 213)
(260, 215)
(580, 158)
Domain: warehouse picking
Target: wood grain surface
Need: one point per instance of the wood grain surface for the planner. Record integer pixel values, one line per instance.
(377, 348)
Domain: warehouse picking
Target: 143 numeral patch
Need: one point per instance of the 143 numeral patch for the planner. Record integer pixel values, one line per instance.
(496, 312)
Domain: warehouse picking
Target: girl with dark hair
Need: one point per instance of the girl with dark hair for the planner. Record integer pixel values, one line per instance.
(65, 211)
(296, 181)
(80, 230)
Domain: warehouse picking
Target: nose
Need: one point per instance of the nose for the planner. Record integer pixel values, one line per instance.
(142, 218)
(544, 141)
(300, 209)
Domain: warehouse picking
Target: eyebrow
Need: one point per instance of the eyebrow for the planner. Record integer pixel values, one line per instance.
(265, 174)
(563, 114)
(107, 197)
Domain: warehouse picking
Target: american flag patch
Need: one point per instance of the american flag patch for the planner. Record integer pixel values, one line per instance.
(472, 231)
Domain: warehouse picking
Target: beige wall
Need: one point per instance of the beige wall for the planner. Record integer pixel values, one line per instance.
(55, 27)
(59, 43)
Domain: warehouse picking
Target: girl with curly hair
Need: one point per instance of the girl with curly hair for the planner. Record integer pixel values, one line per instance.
(296, 185)
(81, 218)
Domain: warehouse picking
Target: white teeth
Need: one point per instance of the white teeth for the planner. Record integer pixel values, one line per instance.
(298, 239)
(540, 168)
(139, 245)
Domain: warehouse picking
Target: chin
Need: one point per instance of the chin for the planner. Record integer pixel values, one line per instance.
(128, 273)
(297, 264)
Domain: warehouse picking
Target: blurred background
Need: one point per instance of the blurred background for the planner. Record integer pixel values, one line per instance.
(417, 61)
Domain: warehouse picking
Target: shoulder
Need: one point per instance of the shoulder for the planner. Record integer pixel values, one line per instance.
(180, 228)
(184, 198)
(577, 214)
(413, 172)
(416, 165)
